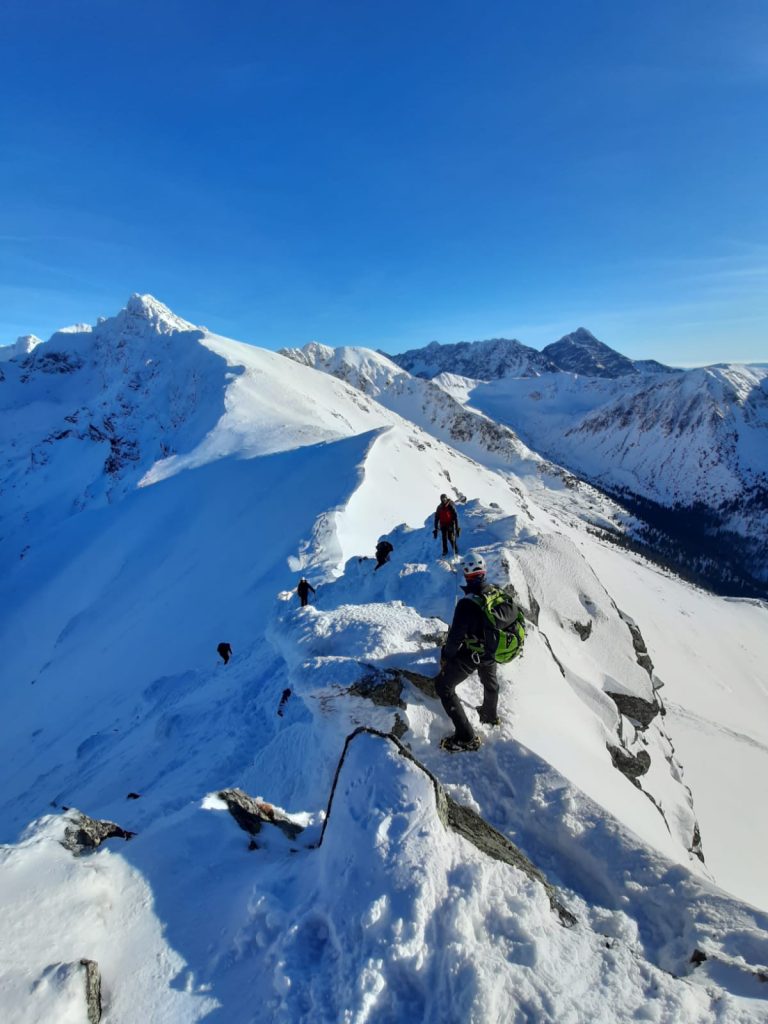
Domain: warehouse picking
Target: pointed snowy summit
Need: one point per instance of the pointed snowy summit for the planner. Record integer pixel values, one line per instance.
(21, 347)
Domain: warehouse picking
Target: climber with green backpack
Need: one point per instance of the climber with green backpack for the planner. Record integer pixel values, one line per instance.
(487, 630)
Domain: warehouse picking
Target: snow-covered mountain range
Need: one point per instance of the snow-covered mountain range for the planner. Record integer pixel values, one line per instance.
(579, 352)
(281, 838)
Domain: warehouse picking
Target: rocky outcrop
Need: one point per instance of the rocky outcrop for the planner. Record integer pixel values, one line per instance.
(641, 651)
(696, 848)
(84, 834)
(464, 821)
(384, 687)
(92, 990)
(637, 708)
(583, 629)
(251, 814)
(631, 765)
(60, 988)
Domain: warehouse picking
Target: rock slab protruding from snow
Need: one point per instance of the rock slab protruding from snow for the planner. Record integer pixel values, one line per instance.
(641, 710)
(84, 834)
(58, 992)
(462, 820)
(251, 814)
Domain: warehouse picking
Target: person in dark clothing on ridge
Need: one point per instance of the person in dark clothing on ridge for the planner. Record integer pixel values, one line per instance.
(303, 590)
(457, 662)
(224, 651)
(447, 520)
(383, 550)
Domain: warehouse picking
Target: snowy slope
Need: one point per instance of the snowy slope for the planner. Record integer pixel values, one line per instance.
(111, 686)
(693, 439)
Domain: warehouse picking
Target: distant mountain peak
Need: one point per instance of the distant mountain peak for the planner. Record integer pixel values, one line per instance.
(581, 336)
(581, 352)
(21, 347)
(146, 308)
(480, 360)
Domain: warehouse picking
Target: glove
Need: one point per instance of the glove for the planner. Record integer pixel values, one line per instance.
(434, 533)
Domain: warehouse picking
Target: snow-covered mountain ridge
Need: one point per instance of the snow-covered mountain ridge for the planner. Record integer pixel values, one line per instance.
(115, 590)
(579, 352)
(693, 441)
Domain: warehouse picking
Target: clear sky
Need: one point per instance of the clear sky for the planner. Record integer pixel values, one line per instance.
(388, 173)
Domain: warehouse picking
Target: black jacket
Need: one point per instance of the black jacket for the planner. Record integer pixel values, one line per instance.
(304, 588)
(468, 620)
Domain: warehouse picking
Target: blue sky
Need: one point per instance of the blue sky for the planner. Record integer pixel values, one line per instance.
(385, 174)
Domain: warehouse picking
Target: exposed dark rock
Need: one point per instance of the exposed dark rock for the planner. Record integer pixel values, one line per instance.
(463, 820)
(631, 765)
(533, 612)
(424, 683)
(84, 834)
(696, 848)
(642, 711)
(437, 639)
(697, 957)
(284, 698)
(384, 688)
(584, 630)
(92, 990)
(65, 979)
(399, 729)
(251, 814)
(133, 796)
(555, 658)
(641, 651)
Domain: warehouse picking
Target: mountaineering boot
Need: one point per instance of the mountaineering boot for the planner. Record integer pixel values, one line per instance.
(484, 719)
(454, 744)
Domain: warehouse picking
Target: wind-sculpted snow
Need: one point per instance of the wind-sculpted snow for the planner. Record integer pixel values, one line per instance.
(20, 348)
(115, 705)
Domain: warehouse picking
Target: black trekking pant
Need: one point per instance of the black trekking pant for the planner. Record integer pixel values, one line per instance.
(449, 534)
(304, 598)
(455, 671)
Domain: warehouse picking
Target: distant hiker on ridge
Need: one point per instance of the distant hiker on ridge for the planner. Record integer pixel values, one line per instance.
(487, 628)
(447, 520)
(303, 590)
(383, 550)
(224, 651)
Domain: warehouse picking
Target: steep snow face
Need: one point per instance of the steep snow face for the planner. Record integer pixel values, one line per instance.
(363, 368)
(95, 411)
(425, 403)
(483, 360)
(581, 353)
(20, 348)
(694, 437)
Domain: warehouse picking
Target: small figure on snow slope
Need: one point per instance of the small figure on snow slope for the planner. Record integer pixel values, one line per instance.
(303, 590)
(383, 550)
(447, 521)
(225, 651)
(487, 628)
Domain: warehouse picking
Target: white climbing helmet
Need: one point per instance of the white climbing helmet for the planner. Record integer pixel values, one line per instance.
(473, 565)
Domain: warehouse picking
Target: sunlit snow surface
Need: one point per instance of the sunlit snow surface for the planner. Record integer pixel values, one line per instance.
(114, 596)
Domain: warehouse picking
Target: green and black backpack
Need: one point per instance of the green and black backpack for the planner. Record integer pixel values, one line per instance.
(505, 627)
